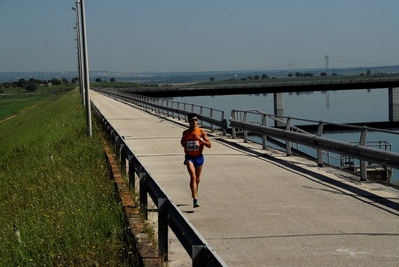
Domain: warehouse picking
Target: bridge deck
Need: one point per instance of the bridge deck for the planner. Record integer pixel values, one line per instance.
(260, 208)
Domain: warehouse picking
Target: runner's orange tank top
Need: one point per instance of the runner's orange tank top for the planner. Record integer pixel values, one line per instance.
(193, 145)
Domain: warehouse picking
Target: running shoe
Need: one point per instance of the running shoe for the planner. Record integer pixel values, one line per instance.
(196, 204)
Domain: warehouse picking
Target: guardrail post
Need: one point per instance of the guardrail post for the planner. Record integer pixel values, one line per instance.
(225, 124)
(363, 167)
(178, 107)
(185, 109)
(198, 255)
(143, 194)
(118, 147)
(131, 171)
(123, 158)
(320, 159)
(159, 110)
(288, 143)
(163, 222)
(264, 137)
(148, 101)
(245, 131)
(167, 111)
(233, 129)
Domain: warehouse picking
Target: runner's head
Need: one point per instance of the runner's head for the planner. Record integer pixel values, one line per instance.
(192, 116)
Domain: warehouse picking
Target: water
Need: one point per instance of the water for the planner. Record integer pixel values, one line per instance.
(349, 106)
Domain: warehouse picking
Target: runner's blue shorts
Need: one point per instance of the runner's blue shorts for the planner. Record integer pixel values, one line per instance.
(196, 160)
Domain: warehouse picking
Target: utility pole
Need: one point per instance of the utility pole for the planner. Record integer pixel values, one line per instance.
(86, 69)
(80, 67)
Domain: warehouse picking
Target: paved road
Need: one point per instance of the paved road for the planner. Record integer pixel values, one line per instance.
(261, 208)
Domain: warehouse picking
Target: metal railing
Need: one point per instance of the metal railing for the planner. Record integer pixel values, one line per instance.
(257, 122)
(169, 214)
(208, 117)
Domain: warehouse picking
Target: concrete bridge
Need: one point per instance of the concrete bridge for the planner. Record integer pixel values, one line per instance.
(277, 88)
(260, 207)
(268, 86)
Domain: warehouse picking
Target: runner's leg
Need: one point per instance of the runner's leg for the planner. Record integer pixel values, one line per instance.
(193, 179)
(198, 171)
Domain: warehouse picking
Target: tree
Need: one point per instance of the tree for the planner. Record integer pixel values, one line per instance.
(31, 87)
(368, 72)
(290, 75)
(112, 80)
(21, 82)
(55, 81)
(323, 74)
(256, 77)
(264, 76)
(65, 80)
(212, 79)
(98, 80)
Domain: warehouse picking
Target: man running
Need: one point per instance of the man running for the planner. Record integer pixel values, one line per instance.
(194, 140)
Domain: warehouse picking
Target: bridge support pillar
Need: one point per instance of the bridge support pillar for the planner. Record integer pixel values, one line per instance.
(393, 96)
(278, 107)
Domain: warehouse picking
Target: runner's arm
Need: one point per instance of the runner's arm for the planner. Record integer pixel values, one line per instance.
(183, 141)
(205, 139)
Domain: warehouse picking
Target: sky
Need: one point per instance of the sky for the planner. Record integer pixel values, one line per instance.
(201, 35)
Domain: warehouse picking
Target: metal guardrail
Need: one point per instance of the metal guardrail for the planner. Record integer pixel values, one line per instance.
(169, 214)
(242, 120)
(213, 117)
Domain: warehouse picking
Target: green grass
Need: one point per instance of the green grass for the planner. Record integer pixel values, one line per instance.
(12, 104)
(54, 186)
(15, 100)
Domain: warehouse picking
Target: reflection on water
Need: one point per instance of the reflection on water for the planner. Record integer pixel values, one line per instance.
(350, 106)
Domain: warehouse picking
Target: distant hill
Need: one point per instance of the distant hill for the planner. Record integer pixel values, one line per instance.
(188, 77)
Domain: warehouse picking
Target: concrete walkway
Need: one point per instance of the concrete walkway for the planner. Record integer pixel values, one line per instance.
(259, 207)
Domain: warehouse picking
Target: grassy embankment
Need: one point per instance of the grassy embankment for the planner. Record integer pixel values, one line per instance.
(15, 100)
(54, 186)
